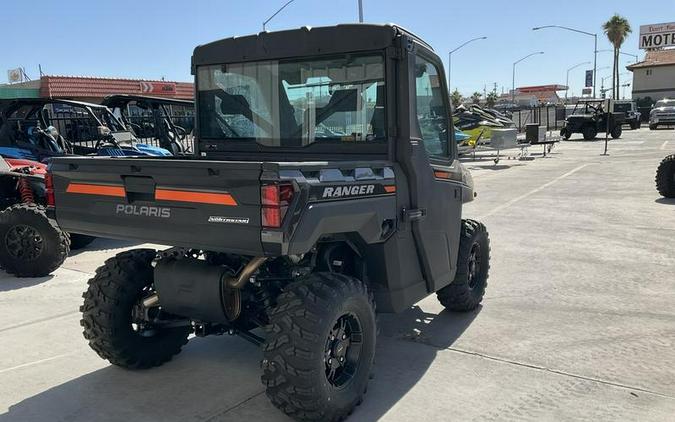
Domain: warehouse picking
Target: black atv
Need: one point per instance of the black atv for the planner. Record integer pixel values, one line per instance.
(325, 186)
(590, 117)
(665, 177)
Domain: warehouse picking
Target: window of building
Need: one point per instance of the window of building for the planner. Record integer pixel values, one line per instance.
(649, 72)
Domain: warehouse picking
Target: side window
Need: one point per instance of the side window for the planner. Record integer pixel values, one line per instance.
(432, 114)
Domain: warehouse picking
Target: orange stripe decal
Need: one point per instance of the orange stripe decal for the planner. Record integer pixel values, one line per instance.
(92, 189)
(390, 189)
(191, 196)
(441, 174)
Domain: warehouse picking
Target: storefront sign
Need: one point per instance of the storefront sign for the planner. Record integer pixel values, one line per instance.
(657, 36)
(157, 87)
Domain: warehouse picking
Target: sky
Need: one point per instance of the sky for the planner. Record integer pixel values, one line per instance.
(152, 39)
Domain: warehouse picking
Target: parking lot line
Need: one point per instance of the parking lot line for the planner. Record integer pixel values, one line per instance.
(37, 321)
(36, 362)
(533, 191)
(663, 145)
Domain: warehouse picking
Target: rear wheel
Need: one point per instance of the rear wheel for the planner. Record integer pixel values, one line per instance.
(119, 328)
(589, 132)
(565, 133)
(665, 177)
(616, 132)
(473, 263)
(320, 347)
(31, 245)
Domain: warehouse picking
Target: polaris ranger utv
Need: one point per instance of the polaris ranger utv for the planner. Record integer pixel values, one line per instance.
(326, 184)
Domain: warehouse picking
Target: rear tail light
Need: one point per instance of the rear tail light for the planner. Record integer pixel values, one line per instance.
(275, 198)
(49, 190)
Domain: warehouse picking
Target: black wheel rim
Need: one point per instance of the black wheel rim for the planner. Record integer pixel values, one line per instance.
(24, 242)
(343, 350)
(474, 265)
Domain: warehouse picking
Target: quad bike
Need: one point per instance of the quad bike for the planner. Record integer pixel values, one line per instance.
(665, 177)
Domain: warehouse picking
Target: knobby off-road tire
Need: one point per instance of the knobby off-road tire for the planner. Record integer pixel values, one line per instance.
(320, 347)
(79, 241)
(665, 177)
(473, 264)
(31, 245)
(616, 132)
(589, 132)
(118, 286)
(566, 134)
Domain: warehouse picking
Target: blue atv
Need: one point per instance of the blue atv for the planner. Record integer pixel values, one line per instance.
(39, 128)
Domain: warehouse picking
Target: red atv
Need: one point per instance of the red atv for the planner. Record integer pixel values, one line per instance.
(31, 245)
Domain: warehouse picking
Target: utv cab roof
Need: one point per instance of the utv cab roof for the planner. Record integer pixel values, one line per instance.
(301, 42)
(118, 100)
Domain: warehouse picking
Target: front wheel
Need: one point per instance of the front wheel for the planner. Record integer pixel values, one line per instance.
(466, 291)
(665, 177)
(320, 347)
(119, 328)
(31, 245)
(589, 132)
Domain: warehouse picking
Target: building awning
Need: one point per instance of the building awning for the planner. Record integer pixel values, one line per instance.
(90, 87)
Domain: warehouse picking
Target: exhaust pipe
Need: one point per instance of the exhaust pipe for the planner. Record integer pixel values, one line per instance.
(239, 281)
(235, 282)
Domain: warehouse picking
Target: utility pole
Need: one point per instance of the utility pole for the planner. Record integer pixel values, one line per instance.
(361, 11)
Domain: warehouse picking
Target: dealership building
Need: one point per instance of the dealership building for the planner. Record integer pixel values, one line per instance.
(92, 89)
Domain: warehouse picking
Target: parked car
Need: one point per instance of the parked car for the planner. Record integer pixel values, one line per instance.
(663, 113)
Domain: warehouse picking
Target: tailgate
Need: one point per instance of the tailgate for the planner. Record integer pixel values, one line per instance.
(212, 205)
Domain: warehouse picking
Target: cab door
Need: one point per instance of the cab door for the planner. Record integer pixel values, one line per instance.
(431, 168)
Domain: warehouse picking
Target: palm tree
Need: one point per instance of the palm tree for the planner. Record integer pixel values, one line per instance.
(617, 29)
(475, 97)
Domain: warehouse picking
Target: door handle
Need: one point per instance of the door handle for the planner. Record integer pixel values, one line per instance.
(414, 215)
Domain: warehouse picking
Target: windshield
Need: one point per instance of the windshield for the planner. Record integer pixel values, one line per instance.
(622, 107)
(294, 102)
(664, 103)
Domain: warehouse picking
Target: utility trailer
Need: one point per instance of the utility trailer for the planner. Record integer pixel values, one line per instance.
(325, 186)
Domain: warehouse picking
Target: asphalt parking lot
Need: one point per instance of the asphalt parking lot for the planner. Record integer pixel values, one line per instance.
(578, 322)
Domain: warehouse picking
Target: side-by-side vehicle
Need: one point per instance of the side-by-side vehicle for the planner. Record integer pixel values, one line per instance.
(325, 186)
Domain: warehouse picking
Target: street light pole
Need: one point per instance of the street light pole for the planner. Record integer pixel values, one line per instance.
(277, 12)
(513, 78)
(595, 47)
(361, 11)
(567, 79)
(450, 57)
